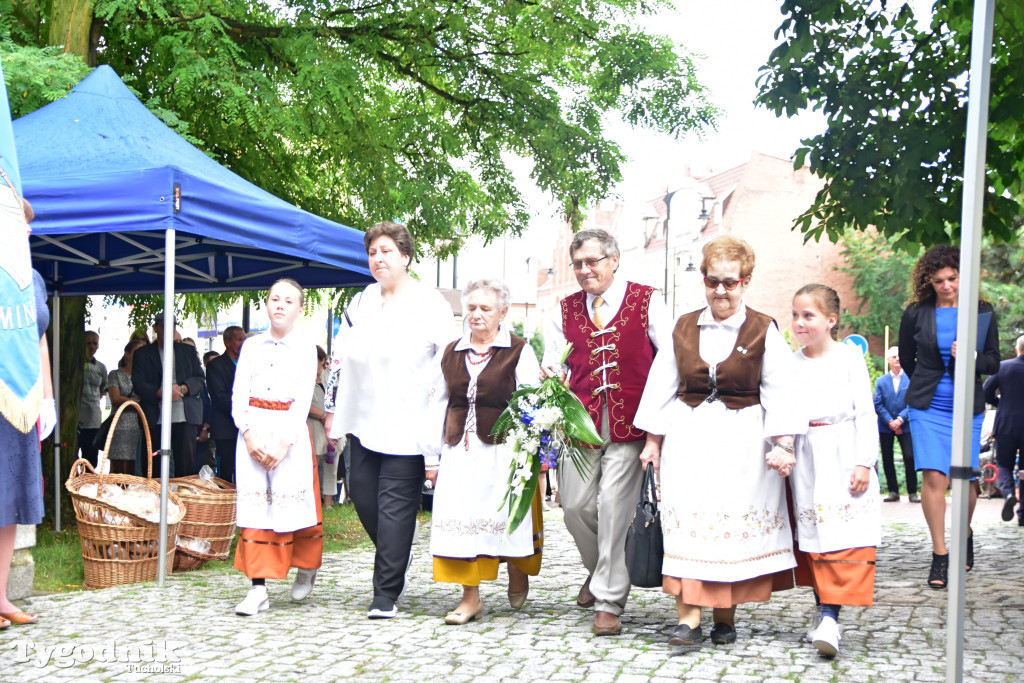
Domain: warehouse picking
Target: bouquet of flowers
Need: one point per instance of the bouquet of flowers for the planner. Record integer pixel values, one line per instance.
(543, 423)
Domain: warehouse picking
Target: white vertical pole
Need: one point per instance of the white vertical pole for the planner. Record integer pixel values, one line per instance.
(55, 369)
(967, 332)
(165, 402)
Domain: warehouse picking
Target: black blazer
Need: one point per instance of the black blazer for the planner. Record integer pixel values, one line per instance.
(920, 357)
(1009, 381)
(220, 378)
(147, 377)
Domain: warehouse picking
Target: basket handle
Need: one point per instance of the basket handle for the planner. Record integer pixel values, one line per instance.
(78, 468)
(110, 437)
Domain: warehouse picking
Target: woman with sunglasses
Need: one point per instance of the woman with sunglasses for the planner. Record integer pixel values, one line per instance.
(723, 402)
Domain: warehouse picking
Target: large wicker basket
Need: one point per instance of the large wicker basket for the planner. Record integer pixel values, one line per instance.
(210, 515)
(116, 554)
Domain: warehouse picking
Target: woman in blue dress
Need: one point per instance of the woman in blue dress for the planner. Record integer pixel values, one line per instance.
(928, 351)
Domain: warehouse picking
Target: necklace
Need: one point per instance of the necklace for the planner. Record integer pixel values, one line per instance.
(483, 356)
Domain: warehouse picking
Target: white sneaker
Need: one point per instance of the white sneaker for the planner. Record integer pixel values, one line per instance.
(303, 586)
(826, 638)
(255, 601)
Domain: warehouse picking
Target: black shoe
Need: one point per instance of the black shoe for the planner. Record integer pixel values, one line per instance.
(684, 635)
(938, 577)
(382, 607)
(1020, 520)
(893, 497)
(1008, 506)
(723, 634)
(970, 552)
(914, 498)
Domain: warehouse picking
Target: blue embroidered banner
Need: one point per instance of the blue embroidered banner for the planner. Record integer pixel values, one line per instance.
(21, 388)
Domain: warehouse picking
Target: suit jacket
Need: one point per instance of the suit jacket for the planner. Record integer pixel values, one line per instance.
(1009, 380)
(890, 404)
(920, 357)
(220, 378)
(147, 376)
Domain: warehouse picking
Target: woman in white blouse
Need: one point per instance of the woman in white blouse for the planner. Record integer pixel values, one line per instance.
(278, 503)
(384, 379)
(469, 525)
(722, 400)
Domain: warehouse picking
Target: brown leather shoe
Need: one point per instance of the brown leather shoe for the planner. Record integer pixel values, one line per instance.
(606, 624)
(586, 598)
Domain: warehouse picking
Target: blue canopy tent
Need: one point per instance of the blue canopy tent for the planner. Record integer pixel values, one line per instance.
(125, 205)
(107, 179)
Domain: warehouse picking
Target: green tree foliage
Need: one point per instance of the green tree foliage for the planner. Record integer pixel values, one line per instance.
(367, 110)
(881, 282)
(1002, 283)
(893, 88)
(536, 341)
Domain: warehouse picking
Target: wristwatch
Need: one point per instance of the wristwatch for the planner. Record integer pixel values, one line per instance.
(184, 389)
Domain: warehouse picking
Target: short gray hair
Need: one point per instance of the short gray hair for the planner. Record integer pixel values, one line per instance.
(495, 285)
(608, 244)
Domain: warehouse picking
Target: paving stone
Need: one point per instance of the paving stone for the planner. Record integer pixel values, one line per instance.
(328, 638)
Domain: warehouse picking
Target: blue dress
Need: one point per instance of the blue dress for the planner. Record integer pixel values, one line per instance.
(933, 428)
(21, 475)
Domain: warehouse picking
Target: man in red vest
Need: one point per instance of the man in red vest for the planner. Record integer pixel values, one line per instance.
(615, 328)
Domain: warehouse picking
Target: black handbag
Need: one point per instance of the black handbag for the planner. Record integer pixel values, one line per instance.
(99, 442)
(645, 547)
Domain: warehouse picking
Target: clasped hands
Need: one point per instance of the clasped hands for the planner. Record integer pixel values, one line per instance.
(780, 460)
(268, 458)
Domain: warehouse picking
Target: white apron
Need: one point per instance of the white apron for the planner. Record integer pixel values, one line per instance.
(284, 499)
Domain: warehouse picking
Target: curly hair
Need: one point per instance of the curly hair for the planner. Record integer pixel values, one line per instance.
(932, 261)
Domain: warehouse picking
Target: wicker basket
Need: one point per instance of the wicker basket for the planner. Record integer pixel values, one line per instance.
(116, 554)
(210, 515)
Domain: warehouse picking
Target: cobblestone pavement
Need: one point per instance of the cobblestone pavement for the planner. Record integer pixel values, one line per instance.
(191, 622)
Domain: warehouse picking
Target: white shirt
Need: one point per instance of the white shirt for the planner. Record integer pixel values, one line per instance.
(388, 365)
(896, 380)
(276, 370)
(659, 323)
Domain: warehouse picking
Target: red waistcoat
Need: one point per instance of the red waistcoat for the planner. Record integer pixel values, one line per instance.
(610, 366)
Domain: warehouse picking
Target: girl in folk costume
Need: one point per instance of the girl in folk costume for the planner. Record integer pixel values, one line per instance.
(468, 539)
(278, 493)
(835, 487)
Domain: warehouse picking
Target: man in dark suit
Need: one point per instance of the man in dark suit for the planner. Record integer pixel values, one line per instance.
(1005, 390)
(893, 423)
(220, 378)
(187, 387)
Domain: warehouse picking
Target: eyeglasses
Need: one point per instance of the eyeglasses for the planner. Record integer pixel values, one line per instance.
(729, 285)
(590, 263)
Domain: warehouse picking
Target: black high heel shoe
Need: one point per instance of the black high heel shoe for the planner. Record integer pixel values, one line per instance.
(970, 552)
(938, 577)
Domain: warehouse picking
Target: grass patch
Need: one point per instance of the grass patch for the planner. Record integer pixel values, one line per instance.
(58, 555)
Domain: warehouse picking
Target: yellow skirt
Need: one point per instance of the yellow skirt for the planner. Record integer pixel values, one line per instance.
(471, 571)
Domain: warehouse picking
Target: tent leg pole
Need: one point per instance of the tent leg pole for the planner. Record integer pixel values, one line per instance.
(165, 403)
(55, 369)
(967, 328)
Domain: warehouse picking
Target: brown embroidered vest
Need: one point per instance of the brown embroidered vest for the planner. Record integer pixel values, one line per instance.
(737, 379)
(494, 387)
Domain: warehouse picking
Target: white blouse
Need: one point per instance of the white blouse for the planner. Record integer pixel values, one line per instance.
(783, 414)
(387, 366)
(277, 370)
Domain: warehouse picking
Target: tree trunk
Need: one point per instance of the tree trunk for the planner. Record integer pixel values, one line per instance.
(71, 25)
(72, 360)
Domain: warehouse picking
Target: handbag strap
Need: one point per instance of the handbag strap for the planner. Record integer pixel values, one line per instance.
(650, 494)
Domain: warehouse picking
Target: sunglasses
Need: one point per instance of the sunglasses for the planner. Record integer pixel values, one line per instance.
(729, 285)
(590, 263)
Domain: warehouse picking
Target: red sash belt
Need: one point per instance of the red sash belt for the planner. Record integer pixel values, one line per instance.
(267, 404)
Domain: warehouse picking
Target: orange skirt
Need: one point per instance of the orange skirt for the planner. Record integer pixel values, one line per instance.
(723, 595)
(266, 554)
(842, 577)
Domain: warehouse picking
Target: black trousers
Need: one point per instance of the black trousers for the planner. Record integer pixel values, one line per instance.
(1009, 448)
(183, 448)
(226, 454)
(86, 437)
(386, 490)
(889, 463)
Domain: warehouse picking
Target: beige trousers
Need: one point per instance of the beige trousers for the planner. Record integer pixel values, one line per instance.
(598, 510)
